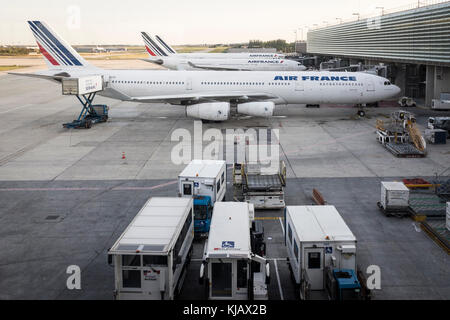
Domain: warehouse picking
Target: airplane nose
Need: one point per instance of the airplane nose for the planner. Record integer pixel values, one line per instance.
(397, 90)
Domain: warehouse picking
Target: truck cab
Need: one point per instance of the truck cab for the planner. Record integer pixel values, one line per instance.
(202, 214)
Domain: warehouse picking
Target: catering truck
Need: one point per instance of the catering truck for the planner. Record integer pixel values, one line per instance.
(206, 182)
(151, 256)
(231, 270)
(321, 252)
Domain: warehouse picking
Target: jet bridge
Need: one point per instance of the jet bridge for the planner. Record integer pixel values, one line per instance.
(85, 89)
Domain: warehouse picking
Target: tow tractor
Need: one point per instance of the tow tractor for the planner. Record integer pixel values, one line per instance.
(85, 89)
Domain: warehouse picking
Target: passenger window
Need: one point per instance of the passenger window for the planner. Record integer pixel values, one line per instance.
(154, 260)
(289, 233)
(187, 189)
(295, 250)
(218, 186)
(131, 261)
(223, 177)
(314, 260)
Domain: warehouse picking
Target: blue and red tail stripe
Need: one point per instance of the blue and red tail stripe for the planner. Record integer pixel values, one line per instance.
(52, 46)
(165, 45)
(152, 47)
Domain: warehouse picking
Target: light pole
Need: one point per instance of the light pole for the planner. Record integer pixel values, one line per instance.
(339, 19)
(356, 14)
(382, 10)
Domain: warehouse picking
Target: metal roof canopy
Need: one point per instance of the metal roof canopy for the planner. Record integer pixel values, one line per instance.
(202, 169)
(229, 234)
(316, 223)
(418, 36)
(155, 227)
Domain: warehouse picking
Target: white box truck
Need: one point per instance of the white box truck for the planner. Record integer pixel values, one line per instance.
(204, 177)
(151, 256)
(394, 196)
(230, 269)
(206, 182)
(321, 249)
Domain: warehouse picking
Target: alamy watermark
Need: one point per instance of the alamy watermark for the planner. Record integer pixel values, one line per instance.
(73, 17)
(260, 146)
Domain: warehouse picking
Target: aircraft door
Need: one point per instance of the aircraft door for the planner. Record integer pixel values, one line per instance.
(370, 86)
(299, 86)
(189, 84)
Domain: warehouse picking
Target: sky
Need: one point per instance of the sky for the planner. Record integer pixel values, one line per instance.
(93, 22)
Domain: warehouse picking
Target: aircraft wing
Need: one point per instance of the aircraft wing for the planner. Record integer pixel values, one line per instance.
(216, 68)
(188, 99)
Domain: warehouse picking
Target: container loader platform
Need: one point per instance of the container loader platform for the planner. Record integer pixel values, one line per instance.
(259, 186)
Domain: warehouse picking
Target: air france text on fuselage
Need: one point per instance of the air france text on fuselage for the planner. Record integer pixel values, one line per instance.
(315, 78)
(267, 61)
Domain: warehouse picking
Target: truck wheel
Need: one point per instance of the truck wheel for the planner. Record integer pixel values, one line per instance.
(88, 124)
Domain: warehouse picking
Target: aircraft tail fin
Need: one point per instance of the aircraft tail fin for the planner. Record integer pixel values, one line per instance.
(165, 45)
(58, 53)
(152, 46)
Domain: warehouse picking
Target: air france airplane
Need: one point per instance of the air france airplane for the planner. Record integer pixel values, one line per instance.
(208, 95)
(167, 50)
(161, 55)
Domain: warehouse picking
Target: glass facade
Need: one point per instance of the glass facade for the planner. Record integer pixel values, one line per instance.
(420, 36)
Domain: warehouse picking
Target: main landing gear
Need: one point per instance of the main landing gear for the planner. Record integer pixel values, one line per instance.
(361, 113)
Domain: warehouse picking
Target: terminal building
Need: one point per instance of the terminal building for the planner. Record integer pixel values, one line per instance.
(414, 45)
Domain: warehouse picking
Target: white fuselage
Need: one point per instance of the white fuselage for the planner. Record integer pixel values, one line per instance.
(249, 64)
(290, 87)
(240, 55)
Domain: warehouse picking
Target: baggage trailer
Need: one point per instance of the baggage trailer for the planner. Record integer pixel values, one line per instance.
(206, 182)
(321, 253)
(263, 188)
(151, 256)
(231, 270)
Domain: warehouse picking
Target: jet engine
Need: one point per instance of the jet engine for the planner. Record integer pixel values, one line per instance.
(257, 109)
(215, 111)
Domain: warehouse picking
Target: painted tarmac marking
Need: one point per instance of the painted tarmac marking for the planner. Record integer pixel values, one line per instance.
(282, 226)
(278, 279)
(92, 189)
